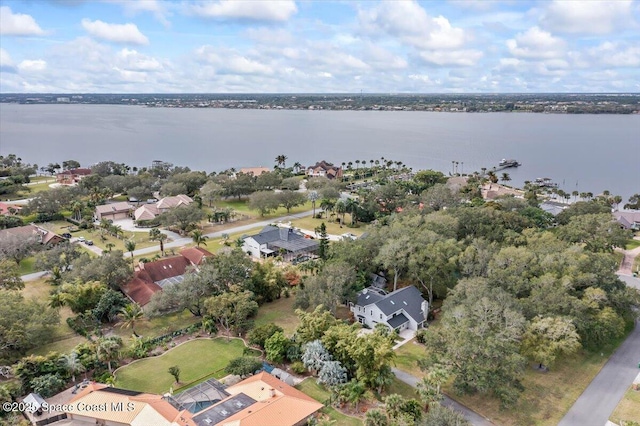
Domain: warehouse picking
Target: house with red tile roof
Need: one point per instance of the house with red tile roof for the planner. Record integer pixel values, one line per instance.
(9, 209)
(324, 169)
(151, 277)
(255, 171)
(72, 176)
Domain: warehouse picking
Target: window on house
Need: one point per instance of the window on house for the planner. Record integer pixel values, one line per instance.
(380, 316)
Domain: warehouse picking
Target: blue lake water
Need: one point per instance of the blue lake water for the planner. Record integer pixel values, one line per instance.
(588, 153)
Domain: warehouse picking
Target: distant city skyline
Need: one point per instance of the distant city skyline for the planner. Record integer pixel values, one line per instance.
(286, 46)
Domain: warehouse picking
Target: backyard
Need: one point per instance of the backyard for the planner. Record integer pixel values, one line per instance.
(628, 409)
(281, 312)
(151, 374)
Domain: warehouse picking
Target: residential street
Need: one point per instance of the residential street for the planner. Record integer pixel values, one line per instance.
(601, 397)
(475, 418)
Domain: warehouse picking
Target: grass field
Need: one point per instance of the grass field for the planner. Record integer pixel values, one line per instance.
(333, 228)
(281, 312)
(631, 244)
(546, 398)
(26, 266)
(196, 358)
(320, 394)
(628, 408)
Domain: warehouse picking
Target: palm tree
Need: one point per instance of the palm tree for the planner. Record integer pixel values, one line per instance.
(341, 208)
(130, 245)
(109, 247)
(357, 164)
(156, 235)
(72, 364)
(313, 197)
(281, 160)
(505, 177)
(352, 207)
(575, 195)
(353, 392)
(107, 349)
(198, 237)
(375, 417)
(131, 314)
(297, 166)
(327, 205)
(116, 230)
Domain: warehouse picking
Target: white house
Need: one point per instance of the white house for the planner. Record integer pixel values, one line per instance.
(403, 309)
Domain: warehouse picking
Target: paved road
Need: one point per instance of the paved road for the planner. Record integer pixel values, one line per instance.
(603, 394)
(475, 418)
(34, 276)
(183, 241)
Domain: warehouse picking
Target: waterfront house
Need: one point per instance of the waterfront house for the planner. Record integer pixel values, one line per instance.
(403, 309)
(273, 241)
(324, 169)
(72, 176)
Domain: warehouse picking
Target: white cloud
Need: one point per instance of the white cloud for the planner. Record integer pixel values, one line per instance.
(263, 10)
(17, 23)
(134, 61)
(615, 54)
(36, 65)
(381, 58)
(277, 37)
(456, 58)
(226, 61)
(536, 44)
(116, 33)
(587, 17)
(409, 22)
(6, 63)
(159, 9)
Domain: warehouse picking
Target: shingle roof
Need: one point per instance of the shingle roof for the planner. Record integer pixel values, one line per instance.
(41, 235)
(285, 238)
(175, 201)
(397, 321)
(146, 212)
(368, 297)
(407, 298)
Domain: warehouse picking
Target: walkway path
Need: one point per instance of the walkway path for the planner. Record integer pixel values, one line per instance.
(627, 262)
(475, 418)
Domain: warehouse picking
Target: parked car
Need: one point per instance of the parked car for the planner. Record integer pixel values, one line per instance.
(66, 235)
(89, 242)
(81, 239)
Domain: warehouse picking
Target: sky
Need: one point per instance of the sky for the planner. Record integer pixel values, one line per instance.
(289, 46)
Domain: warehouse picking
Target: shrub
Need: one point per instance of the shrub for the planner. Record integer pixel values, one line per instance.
(421, 335)
(47, 385)
(298, 367)
(260, 334)
(243, 366)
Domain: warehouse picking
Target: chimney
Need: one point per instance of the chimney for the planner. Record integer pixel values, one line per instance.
(272, 392)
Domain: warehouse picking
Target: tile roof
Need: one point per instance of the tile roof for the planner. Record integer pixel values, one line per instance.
(140, 290)
(278, 403)
(41, 235)
(146, 212)
(196, 255)
(97, 401)
(121, 206)
(166, 268)
(256, 171)
(175, 201)
(4, 208)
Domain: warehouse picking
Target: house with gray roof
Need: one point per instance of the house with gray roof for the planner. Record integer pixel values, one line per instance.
(403, 309)
(629, 219)
(274, 241)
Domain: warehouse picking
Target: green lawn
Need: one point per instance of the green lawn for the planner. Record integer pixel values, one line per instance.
(628, 408)
(280, 312)
(26, 266)
(631, 244)
(546, 398)
(334, 228)
(196, 358)
(401, 388)
(407, 357)
(320, 394)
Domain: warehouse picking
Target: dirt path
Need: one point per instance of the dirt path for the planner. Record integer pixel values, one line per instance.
(627, 262)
